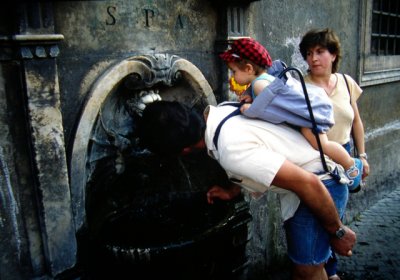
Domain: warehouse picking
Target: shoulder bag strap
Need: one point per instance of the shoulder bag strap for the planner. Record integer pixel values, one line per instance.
(355, 152)
(347, 85)
(218, 130)
(334, 173)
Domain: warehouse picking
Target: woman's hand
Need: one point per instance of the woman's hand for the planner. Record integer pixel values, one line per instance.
(365, 167)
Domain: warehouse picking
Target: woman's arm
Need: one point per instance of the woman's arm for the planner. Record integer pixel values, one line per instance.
(358, 137)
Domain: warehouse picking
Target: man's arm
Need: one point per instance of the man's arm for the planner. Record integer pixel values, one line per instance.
(314, 194)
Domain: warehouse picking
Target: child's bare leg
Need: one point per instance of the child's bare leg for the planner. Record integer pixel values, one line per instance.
(338, 154)
(332, 149)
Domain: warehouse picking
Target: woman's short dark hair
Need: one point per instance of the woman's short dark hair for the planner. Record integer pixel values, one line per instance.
(325, 38)
(167, 127)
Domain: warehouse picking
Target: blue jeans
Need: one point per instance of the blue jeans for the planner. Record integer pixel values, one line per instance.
(347, 146)
(331, 265)
(307, 240)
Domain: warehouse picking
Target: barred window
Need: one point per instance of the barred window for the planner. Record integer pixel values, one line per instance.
(236, 21)
(380, 42)
(385, 35)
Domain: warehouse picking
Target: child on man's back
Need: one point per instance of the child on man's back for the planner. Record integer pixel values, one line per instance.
(249, 60)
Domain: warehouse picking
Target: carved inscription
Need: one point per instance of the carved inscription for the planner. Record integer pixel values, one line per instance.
(147, 13)
(179, 22)
(110, 11)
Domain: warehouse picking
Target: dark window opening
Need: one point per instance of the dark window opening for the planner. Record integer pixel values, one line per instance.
(385, 34)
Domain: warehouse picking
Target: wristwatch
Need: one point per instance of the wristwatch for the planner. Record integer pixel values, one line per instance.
(340, 233)
(363, 155)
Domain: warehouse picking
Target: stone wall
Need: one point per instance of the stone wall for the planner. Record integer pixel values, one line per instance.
(52, 56)
(279, 25)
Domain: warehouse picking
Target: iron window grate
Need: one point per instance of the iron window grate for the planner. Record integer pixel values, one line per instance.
(385, 35)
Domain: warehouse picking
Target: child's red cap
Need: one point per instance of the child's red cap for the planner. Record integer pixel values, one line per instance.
(247, 48)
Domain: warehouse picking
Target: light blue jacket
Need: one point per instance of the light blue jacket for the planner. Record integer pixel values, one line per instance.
(280, 103)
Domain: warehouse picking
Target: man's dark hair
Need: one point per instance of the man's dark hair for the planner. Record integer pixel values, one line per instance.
(167, 127)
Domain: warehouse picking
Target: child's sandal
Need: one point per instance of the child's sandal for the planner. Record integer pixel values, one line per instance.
(355, 180)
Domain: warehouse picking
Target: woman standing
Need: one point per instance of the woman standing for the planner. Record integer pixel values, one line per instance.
(320, 48)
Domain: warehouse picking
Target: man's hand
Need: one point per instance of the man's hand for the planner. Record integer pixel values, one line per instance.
(344, 245)
(222, 193)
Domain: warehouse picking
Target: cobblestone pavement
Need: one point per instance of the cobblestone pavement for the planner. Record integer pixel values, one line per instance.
(377, 252)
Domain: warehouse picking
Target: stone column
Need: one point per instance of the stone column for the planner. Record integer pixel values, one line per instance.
(48, 149)
(38, 49)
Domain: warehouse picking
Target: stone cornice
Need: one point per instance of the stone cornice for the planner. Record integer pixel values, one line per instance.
(30, 46)
(32, 38)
